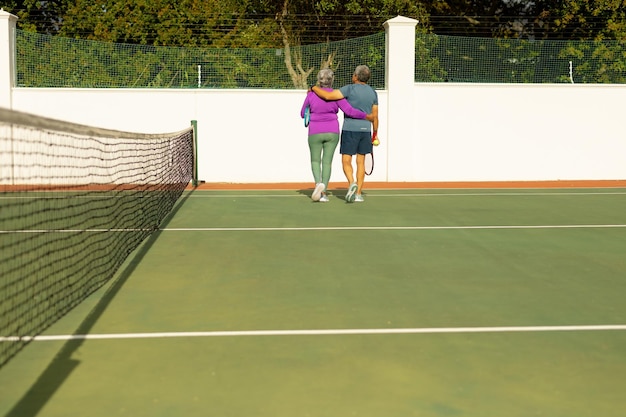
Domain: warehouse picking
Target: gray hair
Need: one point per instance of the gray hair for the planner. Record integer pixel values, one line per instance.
(362, 73)
(325, 78)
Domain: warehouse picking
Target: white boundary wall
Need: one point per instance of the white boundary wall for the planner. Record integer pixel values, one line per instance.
(430, 132)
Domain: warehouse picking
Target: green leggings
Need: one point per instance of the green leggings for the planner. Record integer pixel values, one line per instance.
(322, 147)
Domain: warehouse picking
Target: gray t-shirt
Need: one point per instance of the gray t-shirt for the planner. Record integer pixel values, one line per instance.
(362, 97)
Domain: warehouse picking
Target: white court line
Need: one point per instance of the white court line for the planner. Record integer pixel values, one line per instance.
(321, 332)
(270, 229)
(304, 229)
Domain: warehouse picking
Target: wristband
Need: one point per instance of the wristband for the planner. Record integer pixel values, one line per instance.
(375, 140)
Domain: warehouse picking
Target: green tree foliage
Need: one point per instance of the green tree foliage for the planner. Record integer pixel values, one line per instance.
(489, 18)
(601, 24)
(152, 22)
(280, 29)
(37, 16)
(535, 41)
(579, 19)
(229, 23)
(257, 23)
(294, 23)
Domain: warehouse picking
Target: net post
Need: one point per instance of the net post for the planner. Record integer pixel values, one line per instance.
(194, 180)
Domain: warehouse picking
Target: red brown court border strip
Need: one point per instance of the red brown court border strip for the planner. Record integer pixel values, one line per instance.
(331, 186)
(417, 185)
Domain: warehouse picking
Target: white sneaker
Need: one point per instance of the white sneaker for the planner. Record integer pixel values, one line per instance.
(358, 198)
(317, 193)
(351, 192)
(323, 199)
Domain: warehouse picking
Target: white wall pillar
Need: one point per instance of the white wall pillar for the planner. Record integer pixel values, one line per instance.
(7, 58)
(400, 85)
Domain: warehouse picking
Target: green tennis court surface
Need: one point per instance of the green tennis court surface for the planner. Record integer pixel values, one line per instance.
(414, 303)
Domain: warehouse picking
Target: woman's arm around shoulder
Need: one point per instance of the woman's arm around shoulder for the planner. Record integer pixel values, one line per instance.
(350, 111)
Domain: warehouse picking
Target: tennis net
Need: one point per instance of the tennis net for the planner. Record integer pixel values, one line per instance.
(75, 201)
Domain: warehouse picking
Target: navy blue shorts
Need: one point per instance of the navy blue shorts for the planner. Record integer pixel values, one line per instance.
(355, 142)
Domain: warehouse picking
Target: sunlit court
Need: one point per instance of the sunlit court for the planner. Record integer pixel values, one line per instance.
(422, 301)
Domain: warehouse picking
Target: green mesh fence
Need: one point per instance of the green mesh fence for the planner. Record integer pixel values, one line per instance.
(50, 61)
(485, 60)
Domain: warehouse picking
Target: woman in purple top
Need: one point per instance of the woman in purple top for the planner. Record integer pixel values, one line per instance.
(324, 131)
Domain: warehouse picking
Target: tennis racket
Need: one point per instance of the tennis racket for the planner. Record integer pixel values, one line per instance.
(307, 116)
(369, 163)
(369, 158)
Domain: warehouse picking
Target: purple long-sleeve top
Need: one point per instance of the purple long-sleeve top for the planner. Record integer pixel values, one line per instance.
(324, 113)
